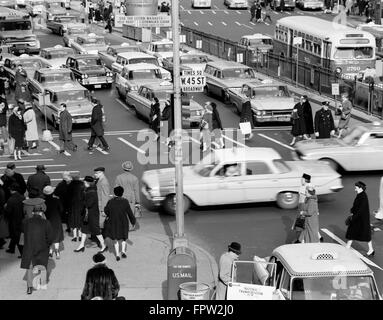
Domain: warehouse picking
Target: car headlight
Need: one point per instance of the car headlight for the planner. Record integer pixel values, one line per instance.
(258, 113)
(135, 88)
(84, 76)
(263, 112)
(109, 74)
(198, 113)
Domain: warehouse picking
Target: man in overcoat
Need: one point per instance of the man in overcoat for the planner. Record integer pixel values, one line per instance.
(359, 228)
(65, 130)
(38, 181)
(324, 122)
(298, 128)
(37, 241)
(131, 185)
(155, 117)
(10, 177)
(97, 127)
(14, 214)
(103, 192)
(308, 116)
(225, 269)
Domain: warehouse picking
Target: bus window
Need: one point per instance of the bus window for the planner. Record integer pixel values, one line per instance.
(15, 25)
(353, 53)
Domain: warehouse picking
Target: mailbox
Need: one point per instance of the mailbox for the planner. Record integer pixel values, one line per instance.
(182, 268)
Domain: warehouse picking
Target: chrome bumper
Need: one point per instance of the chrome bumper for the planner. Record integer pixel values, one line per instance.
(156, 201)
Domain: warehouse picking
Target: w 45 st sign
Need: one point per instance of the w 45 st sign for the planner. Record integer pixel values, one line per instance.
(192, 81)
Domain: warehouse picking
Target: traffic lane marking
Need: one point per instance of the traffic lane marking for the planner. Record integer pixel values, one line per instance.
(97, 148)
(195, 23)
(131, 145)
(224, 23)
(209, 23)
(58, 148)
(236, 142)
(237, 23)
(276, 141)
(340, 241)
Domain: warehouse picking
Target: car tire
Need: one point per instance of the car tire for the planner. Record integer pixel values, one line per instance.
(169, 204)
(225, 97)
(54, 123)
(287, 200)
(332, 163)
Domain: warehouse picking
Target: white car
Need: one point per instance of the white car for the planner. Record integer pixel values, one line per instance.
(35, 7)
(261, 176)
(310, 4)
(89, 44)
(126, 58)
(236, 4)
(161, 49)
(56, 56)
(201, 4)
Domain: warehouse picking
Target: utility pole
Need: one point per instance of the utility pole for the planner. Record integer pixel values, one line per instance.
(179, 236)
(378, 12)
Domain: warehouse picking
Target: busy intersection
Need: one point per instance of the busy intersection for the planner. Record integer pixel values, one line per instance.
(259, 226)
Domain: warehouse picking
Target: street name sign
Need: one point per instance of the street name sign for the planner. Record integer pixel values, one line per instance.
(335, 89)
(297, 40)
(193, 81)
(144, 21)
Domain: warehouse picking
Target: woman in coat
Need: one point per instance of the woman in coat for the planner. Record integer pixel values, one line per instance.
(32, 134)
(217, 125)
(118, 212)
(247, 116)
(310, 233)
(61, 191)
(308, 116)
(345, 116)
(207, 127)
(298, 128)
(53, 214)
(3, 118)
(168, 119)
(91, 219)
(16, 130)
(359, 228)
(76, 189)
(155, 116)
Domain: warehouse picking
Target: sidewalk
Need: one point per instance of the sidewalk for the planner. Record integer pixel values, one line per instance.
(142, 276)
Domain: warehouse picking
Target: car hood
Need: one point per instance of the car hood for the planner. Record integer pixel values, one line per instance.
(79, 107)
(312, 167)
(273, 104)
(234, 82)
(144, 82)
(94, 71)
(319, 145)
(164, 55)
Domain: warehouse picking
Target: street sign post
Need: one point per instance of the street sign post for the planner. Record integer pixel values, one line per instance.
(335, 89)
(297, 41)
(193, 81)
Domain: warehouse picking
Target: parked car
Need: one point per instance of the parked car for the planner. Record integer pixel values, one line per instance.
(262, 176)
(142, 99)
(269, 102)
(133, 76)
(29, 63)
(310, 4)
(75, 96)
(56, 56)
(89, 44)
(73, 31)
(109, 56)
(289, 4)
(126, 58)
(360, 150)
(310, 271)
(236, 4)
(221, 75)
(60, 24)
(89, 70)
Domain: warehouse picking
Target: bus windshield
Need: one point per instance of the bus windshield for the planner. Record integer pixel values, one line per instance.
(254, 42)
(353, 53)
(15, 25)
(238, 73)
(339, 287)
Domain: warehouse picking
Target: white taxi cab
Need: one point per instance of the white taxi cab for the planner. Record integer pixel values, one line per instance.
(256, 175)
(89, 44)
(161, 49)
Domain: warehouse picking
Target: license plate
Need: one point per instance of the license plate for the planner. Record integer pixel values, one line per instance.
(97, 86)
(21, 50)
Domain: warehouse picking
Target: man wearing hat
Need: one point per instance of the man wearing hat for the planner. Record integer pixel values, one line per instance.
(324, 122)
(225, 268)
(131, 185)
(39, 180)
(97, 127)
(10, 177)
(103, 192)
(65, 130)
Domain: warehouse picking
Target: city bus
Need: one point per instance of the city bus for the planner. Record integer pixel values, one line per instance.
(16, 32)
(325, 43)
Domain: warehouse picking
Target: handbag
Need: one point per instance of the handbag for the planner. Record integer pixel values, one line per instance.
(4, 229)
(137, 212)
(245, 127)
(299, 224)
(348, 220)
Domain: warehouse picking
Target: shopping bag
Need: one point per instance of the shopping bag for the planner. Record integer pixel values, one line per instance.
(299, 224)
(4, 229)
(245, 127)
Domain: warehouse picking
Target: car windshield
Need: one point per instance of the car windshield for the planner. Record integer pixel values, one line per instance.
(168, 47)
(144, 74)
(353, 53)
(36, 64)
(257, 42)
(78, 30)
(71, 95)
(89, 63)
(354, 135)
(144, 60)
(206, 165)
(128, 49)
(194, 59)
(58, 54)
(15, 25)
(270, 92)
(244, 73)
(339, 287)
(53, 77)
(93, 42)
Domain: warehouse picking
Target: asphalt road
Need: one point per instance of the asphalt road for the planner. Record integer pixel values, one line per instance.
(258, 227)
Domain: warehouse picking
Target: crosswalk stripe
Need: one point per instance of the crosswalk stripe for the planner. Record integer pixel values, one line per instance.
(214, 12)
(131, 145)
(238, 12)
(45, 165)
(226, 12)
(224, 23)
(97, 148)
(28, 160)
(237, 23)
(58, 148)
(238, 143)
(252, 23)
(11, 156)
(276, 141)
(209, 23)
(195, 23)
(201, 12)
(25, 152)
(49, 172)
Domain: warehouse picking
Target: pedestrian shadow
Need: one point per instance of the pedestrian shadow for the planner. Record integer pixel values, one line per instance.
(341, 233)
(288, 221)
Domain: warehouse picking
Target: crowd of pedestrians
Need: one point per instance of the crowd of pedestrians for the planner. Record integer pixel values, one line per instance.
(34, 213)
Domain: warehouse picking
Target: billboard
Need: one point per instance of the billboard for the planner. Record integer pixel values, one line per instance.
(141, 7)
